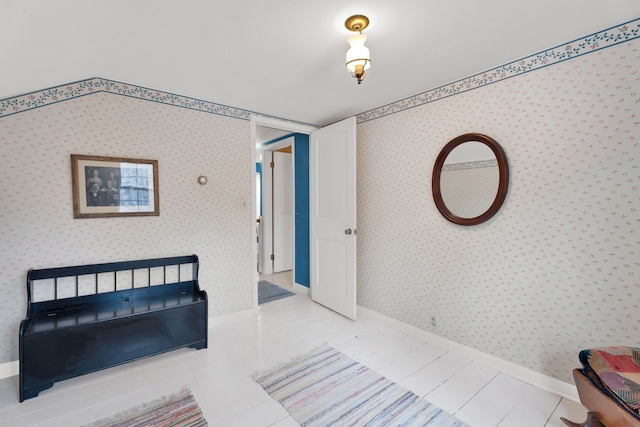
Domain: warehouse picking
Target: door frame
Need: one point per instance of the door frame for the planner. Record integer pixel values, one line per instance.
(257, 121)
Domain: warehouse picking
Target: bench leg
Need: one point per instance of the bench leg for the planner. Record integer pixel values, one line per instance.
(33, 391)
(592, 421)
(199, 346)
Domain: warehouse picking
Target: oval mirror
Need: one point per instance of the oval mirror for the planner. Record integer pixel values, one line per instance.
(470, 179)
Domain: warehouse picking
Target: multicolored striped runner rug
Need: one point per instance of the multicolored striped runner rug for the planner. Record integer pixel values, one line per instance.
(176, 410)
(326, 388)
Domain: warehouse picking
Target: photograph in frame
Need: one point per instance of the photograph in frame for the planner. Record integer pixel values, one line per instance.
(114, 186)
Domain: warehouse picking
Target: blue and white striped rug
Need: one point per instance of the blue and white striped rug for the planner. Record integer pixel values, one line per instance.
(326, 388)
(267, 292)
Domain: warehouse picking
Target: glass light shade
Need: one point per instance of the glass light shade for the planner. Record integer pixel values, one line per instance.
(358, 54)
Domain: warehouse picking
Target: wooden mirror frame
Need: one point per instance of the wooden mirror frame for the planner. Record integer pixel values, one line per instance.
(503, 185)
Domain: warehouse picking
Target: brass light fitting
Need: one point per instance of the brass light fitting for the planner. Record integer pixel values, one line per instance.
(358, 57)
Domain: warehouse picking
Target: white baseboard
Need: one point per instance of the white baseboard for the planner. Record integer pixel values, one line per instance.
(9, 369)
(300, 289)
(544, 382)
(229, 317)
(536, 379)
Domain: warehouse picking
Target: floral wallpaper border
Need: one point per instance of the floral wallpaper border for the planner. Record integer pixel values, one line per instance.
(41, 98)
(479, 164)
(594, 42)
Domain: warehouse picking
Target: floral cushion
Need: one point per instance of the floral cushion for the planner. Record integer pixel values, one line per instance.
(618, 368)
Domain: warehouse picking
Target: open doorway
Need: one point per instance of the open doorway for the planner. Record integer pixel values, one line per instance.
(276, 223)
(330, 215)
(276, 220)
(263, 130)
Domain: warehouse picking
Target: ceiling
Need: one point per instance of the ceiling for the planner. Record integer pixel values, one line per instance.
(283, 58)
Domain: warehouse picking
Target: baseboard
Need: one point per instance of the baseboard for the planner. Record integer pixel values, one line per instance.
(300, 289)
(9, 369)
(536, 379)
(544, 382)
(229, 317)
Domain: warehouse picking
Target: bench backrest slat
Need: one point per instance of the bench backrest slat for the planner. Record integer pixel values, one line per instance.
(107, 298)
(78, 277)
(50, 273)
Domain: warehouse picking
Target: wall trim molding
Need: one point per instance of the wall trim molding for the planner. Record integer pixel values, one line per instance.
(9, 369)
(569, 391)
(230, 317)
(536, 379)
(623, 33)
(65, 92)
(613, 36)
(301, 289)
(68, 91)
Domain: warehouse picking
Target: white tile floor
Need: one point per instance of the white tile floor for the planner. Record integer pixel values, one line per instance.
(219, 377)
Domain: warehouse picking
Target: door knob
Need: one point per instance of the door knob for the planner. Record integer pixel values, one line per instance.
(347, 231)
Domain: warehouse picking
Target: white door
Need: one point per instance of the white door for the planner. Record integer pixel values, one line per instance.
(332, 152)
(282, 211)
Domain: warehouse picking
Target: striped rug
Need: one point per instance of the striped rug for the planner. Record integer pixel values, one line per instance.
(326, 388)
(176, 410)
(268, 292)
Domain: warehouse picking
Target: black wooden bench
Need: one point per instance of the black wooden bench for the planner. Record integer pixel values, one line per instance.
(87, 318)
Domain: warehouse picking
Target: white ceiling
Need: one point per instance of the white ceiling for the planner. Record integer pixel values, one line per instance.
(283, 58)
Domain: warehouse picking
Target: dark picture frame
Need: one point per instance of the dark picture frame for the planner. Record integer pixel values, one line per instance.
(114, 186)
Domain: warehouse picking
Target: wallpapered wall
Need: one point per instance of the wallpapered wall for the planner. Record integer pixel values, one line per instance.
(38, 229)
(558, 268)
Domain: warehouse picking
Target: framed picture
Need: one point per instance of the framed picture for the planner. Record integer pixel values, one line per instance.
(114, 186)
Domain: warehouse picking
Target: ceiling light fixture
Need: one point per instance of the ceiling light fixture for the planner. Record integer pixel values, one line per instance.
(358, 57)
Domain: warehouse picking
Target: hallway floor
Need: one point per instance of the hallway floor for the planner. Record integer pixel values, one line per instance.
(283, 279)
